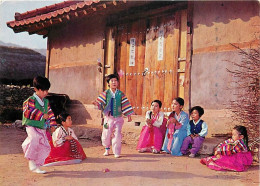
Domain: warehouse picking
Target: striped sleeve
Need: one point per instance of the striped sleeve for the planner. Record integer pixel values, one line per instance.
(51, 116)
(30, 112)
(127, 109)
(232, 147)
(101, 100)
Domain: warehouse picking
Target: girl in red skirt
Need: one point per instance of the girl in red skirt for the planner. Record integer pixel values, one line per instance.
(65, 148)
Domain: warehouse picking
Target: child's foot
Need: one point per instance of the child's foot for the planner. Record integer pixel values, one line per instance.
(192, 155)
(32, 165)
(117, 156)
(106, 153)
(155, 151)
(142, 150)
(39, 171)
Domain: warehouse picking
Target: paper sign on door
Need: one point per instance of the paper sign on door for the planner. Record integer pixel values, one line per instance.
(132, 52)
(160, 44)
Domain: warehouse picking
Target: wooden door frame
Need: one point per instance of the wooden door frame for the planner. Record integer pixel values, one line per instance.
(110, 54)
(187, 79)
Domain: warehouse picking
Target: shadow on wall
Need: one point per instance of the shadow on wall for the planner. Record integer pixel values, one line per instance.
(58, 102)
(224, 12)
(78, 112)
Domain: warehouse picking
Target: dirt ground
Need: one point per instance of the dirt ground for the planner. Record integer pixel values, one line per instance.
(132, 168)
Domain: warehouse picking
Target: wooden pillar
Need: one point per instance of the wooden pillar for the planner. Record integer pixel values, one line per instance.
(48, 57)
(109, 63)
(187, 80)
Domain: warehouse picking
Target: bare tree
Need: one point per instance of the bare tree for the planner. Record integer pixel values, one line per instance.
(245, 84)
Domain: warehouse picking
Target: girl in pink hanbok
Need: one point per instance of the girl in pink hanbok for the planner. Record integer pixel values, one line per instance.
(151, 137)
(232, 154)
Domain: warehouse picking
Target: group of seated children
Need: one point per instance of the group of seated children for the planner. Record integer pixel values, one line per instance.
(180, 133)
(174, 135)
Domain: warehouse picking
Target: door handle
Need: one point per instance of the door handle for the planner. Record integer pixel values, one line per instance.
(145, 71)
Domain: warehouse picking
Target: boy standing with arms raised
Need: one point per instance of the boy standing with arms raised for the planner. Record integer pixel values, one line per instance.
(113, 103)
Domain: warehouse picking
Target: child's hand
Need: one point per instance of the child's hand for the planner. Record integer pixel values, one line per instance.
(95, 103)
(52, 129)
(148, 121)
(171, 120)
(68, 137)
(129, 118)
(45, 116)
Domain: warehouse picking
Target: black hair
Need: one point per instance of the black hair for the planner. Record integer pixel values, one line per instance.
(179, 100)
(62, 118)
(42, 83)
(157, 101)
(111, 76)
(242, 131)
(199, 109)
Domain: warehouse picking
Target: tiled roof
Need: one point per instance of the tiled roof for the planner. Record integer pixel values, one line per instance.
(36, 21)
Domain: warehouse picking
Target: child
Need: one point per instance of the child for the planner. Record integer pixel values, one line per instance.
(37, 115)
(233, 154)
(171, 126)
(113, 103)
(197, 130)
(151, 136)
(65, 145)
(178, 117)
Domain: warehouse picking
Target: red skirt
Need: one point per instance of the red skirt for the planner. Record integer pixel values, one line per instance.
(68, 151)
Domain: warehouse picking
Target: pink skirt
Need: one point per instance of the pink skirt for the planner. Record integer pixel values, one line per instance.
(236, 162)
(150, 138)
(36, 146)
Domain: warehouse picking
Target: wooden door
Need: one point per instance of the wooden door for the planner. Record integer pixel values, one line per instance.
(147, 61)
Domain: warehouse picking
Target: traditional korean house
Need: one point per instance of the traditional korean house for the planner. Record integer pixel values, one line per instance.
(160, 49)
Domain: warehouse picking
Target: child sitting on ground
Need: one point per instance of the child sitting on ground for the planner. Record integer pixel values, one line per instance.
(64, 144)
(151, 137)
(233, 154)
(196, 132)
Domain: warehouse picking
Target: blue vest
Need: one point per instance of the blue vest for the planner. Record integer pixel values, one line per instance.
(195, 129)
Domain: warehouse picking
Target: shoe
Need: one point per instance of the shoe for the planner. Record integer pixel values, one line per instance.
(32, 165)
(117, 156)
(39, 171)
(142, 150)
(106, 153)
(192, 155)
(155, 151)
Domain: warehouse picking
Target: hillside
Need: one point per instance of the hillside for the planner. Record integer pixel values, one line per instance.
(41, 51)
(20, 63)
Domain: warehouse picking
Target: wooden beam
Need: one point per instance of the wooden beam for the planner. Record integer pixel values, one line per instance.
(187, 80)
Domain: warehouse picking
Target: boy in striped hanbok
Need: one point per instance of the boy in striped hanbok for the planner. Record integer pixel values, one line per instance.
(114, 104)
(37, 117)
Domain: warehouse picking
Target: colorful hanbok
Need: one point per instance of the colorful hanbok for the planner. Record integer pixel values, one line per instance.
(63, 150)
(233, 156)
(151, 137)
(36, 146)
(178, 135)
(113, 105)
